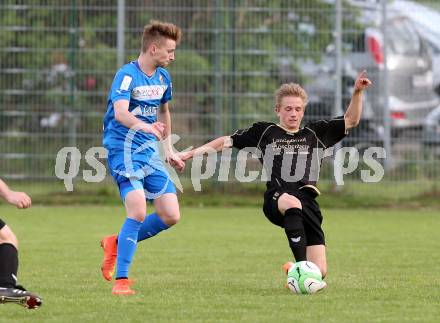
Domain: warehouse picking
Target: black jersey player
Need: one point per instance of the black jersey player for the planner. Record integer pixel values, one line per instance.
(291, 155)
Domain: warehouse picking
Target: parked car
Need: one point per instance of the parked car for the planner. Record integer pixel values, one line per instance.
(427, 22)
(367, 134)
(410, 78)
(431, 133)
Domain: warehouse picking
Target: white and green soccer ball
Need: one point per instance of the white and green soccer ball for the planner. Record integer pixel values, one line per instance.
(304, 277)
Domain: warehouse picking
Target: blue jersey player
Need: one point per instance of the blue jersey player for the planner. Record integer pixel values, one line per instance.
(137, 117)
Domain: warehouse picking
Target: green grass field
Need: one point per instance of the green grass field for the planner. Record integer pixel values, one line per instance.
(224, 265)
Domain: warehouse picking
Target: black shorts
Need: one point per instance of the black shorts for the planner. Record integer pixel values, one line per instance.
(311, 212)
(2, 224)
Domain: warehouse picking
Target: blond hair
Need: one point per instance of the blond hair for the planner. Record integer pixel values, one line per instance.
(157, 30)
(290, 89)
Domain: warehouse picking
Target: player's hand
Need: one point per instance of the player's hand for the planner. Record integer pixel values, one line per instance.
(185, 155)
(362, 82)
(19, 199)
(157, 129)
(175, 161)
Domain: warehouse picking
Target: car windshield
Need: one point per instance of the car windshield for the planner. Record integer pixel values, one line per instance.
(403, 37)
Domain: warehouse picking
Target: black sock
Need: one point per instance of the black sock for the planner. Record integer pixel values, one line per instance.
(294, 228)
(8, 265)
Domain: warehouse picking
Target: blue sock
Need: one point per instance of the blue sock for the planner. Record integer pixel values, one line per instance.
(127, 242)
(152, 225)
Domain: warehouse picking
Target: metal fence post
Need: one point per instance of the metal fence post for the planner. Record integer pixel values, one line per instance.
(233, 45)
(73, 44)
(337, 109)
(120, 40)
(218, 46)
(385, 87)
(218, 79)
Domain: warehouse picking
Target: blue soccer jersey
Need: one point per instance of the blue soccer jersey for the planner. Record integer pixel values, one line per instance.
(145, 94)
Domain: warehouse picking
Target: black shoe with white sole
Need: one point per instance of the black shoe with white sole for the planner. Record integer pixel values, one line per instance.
(20, 296)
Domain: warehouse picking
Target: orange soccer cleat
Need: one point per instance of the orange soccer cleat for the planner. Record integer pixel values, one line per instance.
(110, 247)
(122, 287)
(287, 266)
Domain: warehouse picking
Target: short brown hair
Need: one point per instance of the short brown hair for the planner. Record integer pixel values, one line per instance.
(290, 89)
(156, 30)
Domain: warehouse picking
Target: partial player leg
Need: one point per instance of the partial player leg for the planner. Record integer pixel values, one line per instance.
(167, 214)
(316, 254)
(7, 236)
(109, 243)
(167, 209)
(162, 189)
(151, 226)
(291, 208)
(10, 292)
(136, 208)
(9, 257)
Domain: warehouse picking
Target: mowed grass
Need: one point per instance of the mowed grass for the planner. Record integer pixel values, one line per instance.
(224, 265)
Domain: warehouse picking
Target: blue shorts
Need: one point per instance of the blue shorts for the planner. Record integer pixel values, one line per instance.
(141, 171)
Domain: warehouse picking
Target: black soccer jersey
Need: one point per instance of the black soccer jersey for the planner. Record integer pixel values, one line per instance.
(291, 159)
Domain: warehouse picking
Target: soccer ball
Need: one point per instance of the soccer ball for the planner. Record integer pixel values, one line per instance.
(304, 277)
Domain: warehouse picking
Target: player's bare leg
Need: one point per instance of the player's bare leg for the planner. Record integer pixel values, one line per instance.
(287, 201)
(7, 236)
(167, 207)
(316, 254)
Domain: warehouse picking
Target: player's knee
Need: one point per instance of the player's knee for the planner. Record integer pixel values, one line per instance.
(136, 205)
(7, 236)
(136, 212)
(287, 201)
(138, 215)
(171, 217)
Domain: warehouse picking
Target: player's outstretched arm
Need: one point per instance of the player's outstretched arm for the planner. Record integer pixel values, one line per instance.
(20, 199)
(216, 145)
(354, 110)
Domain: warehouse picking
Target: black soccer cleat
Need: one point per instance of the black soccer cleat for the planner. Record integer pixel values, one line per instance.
(20, 296)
